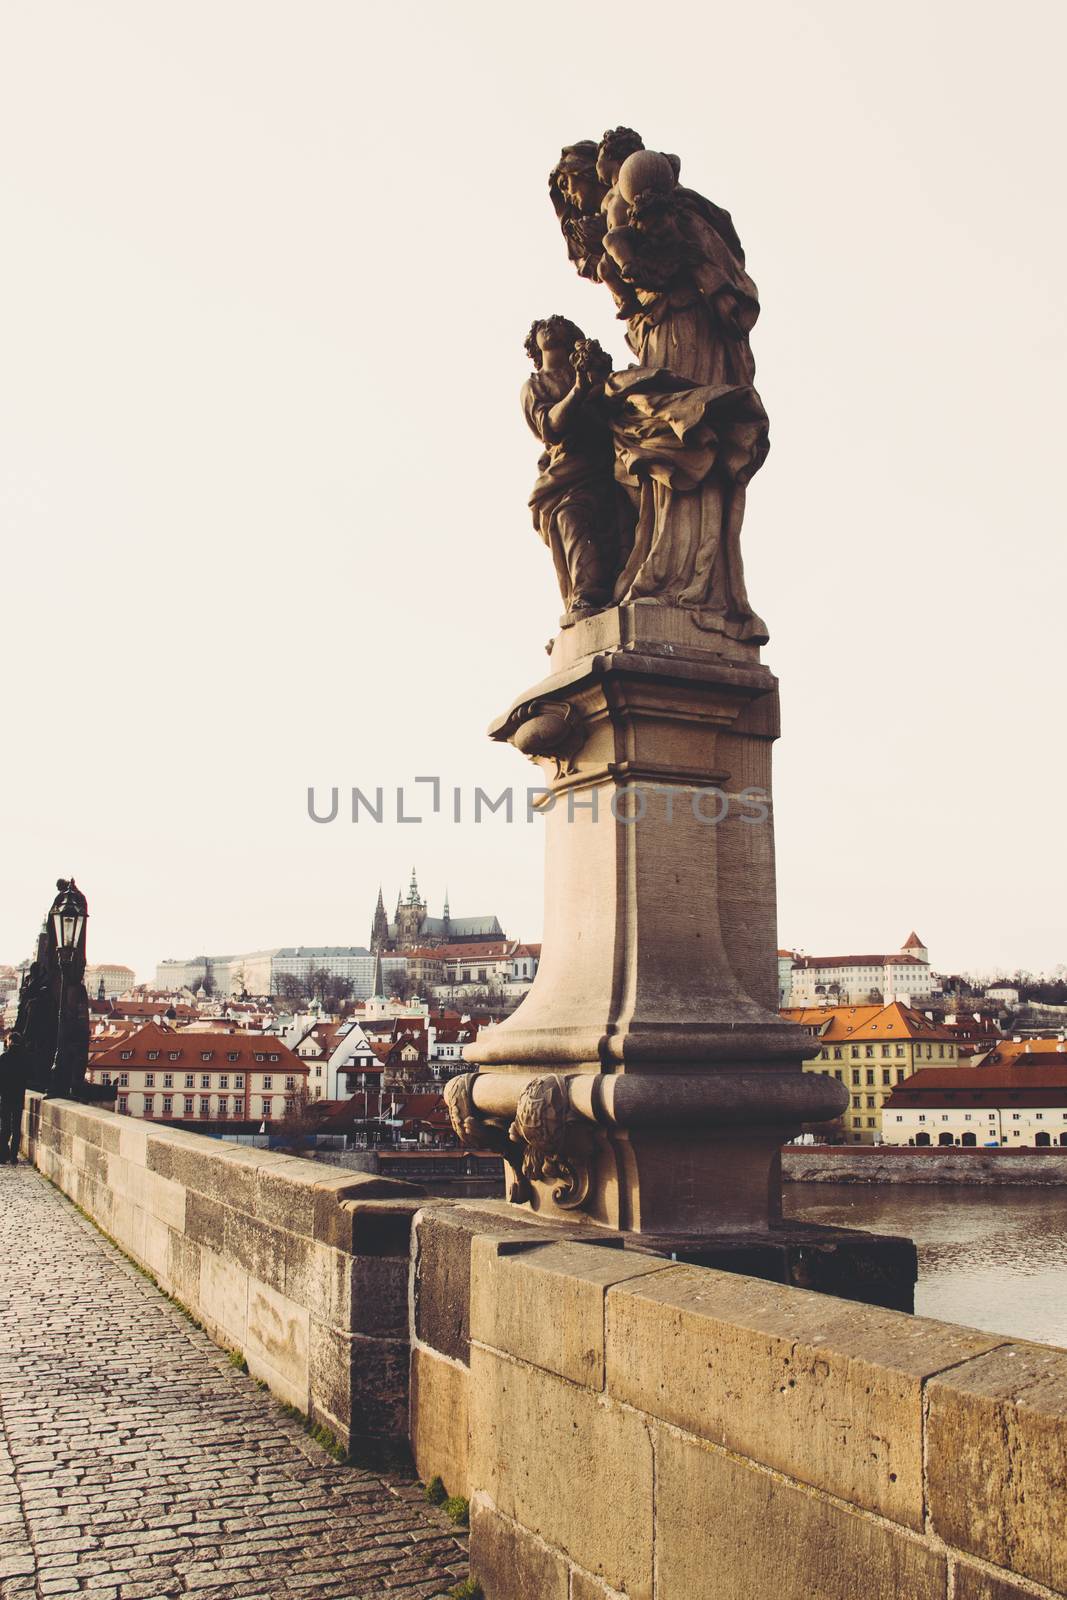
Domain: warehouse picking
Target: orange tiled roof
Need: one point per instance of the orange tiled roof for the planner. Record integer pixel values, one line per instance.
(894, 1021)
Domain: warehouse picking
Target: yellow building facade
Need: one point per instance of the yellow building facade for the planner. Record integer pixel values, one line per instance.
(871, 1049)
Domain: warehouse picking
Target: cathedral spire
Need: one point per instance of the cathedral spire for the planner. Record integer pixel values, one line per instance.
(413, 891)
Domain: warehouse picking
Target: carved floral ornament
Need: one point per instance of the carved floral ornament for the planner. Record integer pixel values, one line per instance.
(545, 1142)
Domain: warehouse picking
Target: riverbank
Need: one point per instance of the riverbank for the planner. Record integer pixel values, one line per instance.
(894, 1164)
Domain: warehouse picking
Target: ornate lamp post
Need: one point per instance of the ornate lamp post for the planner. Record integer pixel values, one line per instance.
(68, 917)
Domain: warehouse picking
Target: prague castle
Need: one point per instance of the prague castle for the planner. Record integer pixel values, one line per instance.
(412, 926)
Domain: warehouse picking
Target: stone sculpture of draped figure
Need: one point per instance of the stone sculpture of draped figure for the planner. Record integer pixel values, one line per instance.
(688, 428)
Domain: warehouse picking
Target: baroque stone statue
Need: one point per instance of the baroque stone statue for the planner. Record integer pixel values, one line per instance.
(683, 430)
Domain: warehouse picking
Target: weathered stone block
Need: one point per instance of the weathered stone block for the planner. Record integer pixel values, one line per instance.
(997, 1455)
(205, 1221)
(156, 1246)
(181, 1276)
(164, 1200)
(824, 1390)
(254, 1246)
(439, 1420)
(285, 1196)
(201, 1167)
(971, 1583)
(443, 1270)
(362, 1384)
(223, 1297)
(510, 1564)
(724, 1528)
(545, 1305)
(277, 1339)
(567, 1464)
(133, 1140)
(364, 1227)
(583, 1587)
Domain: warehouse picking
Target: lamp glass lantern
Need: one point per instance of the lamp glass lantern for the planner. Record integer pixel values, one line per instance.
(68, 919)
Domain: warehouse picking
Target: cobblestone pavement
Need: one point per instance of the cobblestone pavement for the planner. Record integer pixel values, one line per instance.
(136, 1463)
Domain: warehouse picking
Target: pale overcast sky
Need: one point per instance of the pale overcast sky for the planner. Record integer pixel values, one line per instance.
(267, 273)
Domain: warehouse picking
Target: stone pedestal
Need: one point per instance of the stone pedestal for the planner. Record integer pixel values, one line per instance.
(648, 1079)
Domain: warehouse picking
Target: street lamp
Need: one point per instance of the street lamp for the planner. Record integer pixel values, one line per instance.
(69, 915)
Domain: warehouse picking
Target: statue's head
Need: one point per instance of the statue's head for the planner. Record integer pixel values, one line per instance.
(614, 147)
(573, 183)
(551, 333)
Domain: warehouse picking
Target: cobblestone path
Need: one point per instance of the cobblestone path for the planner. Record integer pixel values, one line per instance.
(137, 1464)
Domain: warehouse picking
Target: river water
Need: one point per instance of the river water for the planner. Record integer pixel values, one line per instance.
(994, 1259)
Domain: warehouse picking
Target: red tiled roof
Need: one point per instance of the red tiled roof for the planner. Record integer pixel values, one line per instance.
(190, 1046)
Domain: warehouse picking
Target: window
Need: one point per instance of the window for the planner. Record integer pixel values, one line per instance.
(318, 1071)
(967, 1116)
(173, 1055)
(239, 1080)
(274, 1056)
(1015, 1116)
(824, 1055)
(224, 1107)
(837, 1052)
(232, 1055)
(288, 1108)
(885, 1050)
(871, 1102)
(206, 1055)
(153, 1055)
(189, 1080)
(869, 1075)
(900, 1074)
(855, 1074)
(868, 1049)
(260, 1056)
(268, 1081)
(887, 1076)
(899, 1117)
(856, 1101)
(127, 1055)
(122, 1105)
(1039, 1116)
(290, 1083)
(205, 1106)
(205, 1080)
(941, 1051)
(870, 1122)
(168, 1080)
(900, 1049)
(188, 1105)
(838, 1074)
(149, 1080)
(855, 1052)
(922, 1116)
(124, 1080)
(224, 1080)
(167, 1103)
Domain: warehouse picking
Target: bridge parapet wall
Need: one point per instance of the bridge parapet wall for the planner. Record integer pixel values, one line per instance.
(301, 1270)
(625, 1427)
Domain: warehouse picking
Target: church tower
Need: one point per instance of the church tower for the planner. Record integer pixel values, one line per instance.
(379, 933)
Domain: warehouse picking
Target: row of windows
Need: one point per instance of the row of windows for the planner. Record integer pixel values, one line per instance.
(205, 1055)
(187, 1107)
(266, 1081)
(1038, 1116)
(898, 1050)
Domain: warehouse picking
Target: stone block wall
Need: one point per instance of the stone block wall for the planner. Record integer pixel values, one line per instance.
(303, 1271)
(625, 1427)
